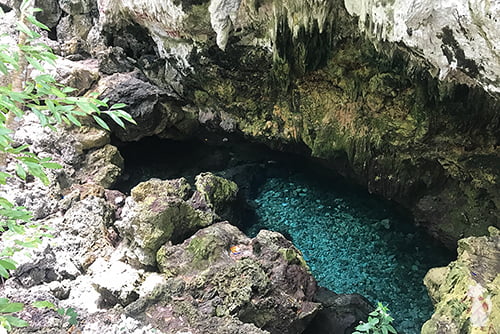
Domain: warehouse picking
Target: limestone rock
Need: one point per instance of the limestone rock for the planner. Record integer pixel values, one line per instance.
(157, 213)
(355, 83)
(102, 166)
(444, 40)
(340, 313)
(230, 275)
(214, 193)
(75, 7)
(145, 103)
(51, 12)
(466, 293)
(115, 281)
(90, 137)
(155, 187)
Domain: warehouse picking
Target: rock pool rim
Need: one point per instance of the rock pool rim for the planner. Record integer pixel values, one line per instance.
(155, 150)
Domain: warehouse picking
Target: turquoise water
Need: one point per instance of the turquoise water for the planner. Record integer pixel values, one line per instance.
(353, 242)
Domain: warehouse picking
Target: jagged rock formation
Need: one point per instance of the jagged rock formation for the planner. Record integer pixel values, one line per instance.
(355, 83)
(324, 78)
(466, 292)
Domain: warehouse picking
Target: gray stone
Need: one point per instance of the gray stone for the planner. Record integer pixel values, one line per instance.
(145, 103)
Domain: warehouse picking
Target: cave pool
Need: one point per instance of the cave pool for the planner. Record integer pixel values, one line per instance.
(352, 241)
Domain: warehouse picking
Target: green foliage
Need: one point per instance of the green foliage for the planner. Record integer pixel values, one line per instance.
(379, 322)
(69, 312)
(52, 103)
(7, 320)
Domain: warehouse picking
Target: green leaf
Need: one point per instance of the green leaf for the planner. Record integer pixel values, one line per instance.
(73, 316)
(16, 322)
(5, 203)
(87, 107)
(5, 274)
(3, 177)
(23, 28)
(101, 122)
(118, 106)
(8, 264)
(73, 120)
(391, 329)
(28, 244)
(37, 23)
(37, 171)
(35, 63)
(116, 119)
(3, 68)
(364, 327)
(44, 304)
(20, 171)
(51, 165)
(67, 90)
(11, 307)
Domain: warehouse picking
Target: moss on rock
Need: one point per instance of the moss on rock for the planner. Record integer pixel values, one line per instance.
(466, 294)
(216, 191)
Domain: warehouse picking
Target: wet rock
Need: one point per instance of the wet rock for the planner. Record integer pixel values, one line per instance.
(466, 292)
(339, 313)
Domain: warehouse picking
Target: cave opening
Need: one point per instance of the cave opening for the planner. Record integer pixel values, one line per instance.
(353, 241)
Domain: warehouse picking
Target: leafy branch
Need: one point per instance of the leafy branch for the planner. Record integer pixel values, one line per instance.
(52, 104)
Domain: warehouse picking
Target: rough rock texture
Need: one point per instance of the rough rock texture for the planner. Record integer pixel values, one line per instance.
(215, 193)
(263, 281)
(217, 281)
(466, 293)
(160, 211)
(449, 35)
(324, 79)
(339, 312)
(102, 166)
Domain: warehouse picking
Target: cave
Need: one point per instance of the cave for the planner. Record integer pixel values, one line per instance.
(353, 241)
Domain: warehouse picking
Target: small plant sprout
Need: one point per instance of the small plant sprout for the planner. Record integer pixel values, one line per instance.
(379, 322)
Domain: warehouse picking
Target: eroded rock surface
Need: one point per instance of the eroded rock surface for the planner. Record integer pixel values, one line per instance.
(466, 293)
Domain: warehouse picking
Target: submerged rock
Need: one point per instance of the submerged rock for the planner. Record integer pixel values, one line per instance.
(466, 293)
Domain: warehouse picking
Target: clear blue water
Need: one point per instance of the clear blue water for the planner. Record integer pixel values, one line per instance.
(353, 242)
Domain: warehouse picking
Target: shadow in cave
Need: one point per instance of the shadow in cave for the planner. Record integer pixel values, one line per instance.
(345, 234)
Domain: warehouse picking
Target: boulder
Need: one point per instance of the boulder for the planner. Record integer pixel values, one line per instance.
(157, 212)
(466, 293)
(146, 104)
(102, 166)
(219, 274)
(215, 194)
(339, 313)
